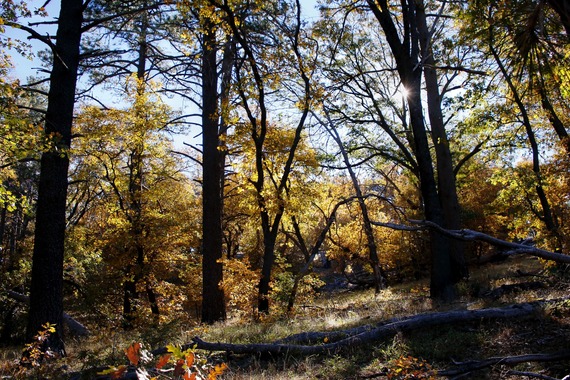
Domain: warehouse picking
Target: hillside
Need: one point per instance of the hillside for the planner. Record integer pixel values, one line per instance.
(416, 353)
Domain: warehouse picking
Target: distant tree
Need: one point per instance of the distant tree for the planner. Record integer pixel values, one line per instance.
(379, 275)
(118, 149)
(259, 68)
(298, 225)
(521, 48)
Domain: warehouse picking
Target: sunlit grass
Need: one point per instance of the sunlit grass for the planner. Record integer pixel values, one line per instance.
(343, 310)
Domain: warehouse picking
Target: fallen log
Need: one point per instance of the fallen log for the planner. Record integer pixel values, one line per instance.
(368, 334)
(75, 328)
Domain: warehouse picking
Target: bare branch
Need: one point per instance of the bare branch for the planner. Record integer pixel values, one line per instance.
(187, 156)
(75, 327)
(470, 235)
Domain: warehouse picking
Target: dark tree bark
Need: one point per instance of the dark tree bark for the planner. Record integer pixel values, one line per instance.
(228, 60)
(510, 248)
(213, 300)
(264, 286)
(258, 132)
(2, 229)
(136, 248)
(135, 211)
(447, 189)
(406, 52)
(46, 293)
(129, 294)
(271, 228)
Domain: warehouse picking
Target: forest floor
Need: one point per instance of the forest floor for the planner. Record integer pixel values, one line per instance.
(415, 354)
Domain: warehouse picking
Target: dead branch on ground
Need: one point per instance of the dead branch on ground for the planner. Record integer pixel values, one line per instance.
(367, 334)
(475, 365)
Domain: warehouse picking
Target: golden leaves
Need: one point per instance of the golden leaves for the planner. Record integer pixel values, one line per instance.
(240, 284)
(186, 365)
(409, 367)
(217, 370)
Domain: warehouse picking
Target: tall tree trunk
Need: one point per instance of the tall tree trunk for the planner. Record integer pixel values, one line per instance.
(2, 231)
(136, 249)
(447, 189)
(406, 53)
(46, 292)
(154, 309)
(270, 227)
(213, 300)
(441, 279)
(225, 91)
(264, 287)
(13, 238)
(259, 127)
(135, 192)
(129, 295)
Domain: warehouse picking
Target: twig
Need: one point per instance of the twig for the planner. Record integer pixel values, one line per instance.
(504, 360)
(531, 374)
(74, 326)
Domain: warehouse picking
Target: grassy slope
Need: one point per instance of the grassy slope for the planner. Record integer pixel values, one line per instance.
(440, 346)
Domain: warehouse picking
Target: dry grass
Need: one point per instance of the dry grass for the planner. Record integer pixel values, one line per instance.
(548, 332)
(440, 346)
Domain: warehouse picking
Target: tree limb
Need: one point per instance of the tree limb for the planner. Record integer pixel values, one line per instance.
(513, 248)
(74, 326)
(470, 235)
(367, 334)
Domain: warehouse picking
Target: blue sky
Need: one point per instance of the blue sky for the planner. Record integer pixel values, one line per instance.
(25, 68)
